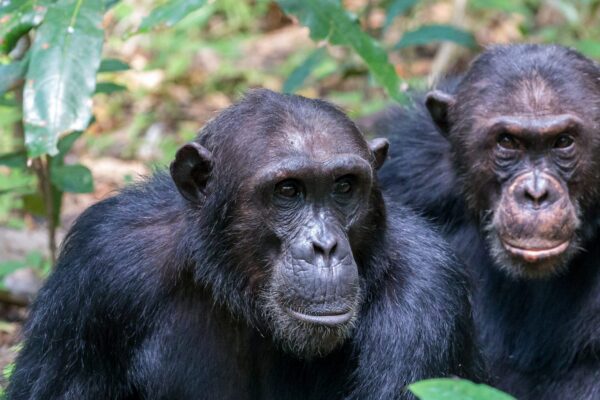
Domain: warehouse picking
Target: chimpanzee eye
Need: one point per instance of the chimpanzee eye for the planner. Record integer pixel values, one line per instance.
(288, 189)
(564, 141)
(507, 141)
(343, 186)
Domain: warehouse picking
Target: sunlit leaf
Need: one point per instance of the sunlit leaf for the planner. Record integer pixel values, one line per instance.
(327, 19)
(17, 17)
(61, 77)
(113, 65)
(303, 71)
(436, 33)
(170, 13)
(72, 178)
(453, 389)
(396, 8)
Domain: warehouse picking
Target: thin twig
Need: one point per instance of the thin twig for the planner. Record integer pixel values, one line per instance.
(448, 51)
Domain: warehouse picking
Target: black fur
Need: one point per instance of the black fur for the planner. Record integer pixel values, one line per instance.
(146, 301)
(541, 338)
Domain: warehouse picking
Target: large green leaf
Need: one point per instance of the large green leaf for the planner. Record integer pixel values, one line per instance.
(300, 73)
(61, 78)
(11, 74)
(436, 33)
(453, 389)
(170, 13)
(72, 178)
(327, 19)
(395, 8)
(17, 17)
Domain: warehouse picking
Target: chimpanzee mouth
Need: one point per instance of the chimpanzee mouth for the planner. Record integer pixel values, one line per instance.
(330, 319)
(533, 255)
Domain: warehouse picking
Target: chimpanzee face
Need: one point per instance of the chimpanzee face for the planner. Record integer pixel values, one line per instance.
(301, 203)
(525, 150)
(311, 194)
(310, 205)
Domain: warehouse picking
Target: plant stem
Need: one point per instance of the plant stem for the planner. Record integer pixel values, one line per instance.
(41, 166)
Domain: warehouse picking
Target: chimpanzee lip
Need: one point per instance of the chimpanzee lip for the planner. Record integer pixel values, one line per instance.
(536, 254)
(331, 319)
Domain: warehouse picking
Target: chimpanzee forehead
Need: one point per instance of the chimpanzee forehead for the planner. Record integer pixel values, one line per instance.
(530, 80)
(318, 143)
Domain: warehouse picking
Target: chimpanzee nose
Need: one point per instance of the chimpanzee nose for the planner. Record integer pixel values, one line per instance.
(324, 245)
(537, 192)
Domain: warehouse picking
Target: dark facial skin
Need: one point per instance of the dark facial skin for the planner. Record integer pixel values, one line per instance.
(298, 206)
(312, 204)
(523, 143)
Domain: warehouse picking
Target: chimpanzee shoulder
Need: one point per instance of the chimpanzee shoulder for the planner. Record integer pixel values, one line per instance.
(419, 172)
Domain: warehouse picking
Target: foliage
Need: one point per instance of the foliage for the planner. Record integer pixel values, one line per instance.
(452, 389)
(327, 20)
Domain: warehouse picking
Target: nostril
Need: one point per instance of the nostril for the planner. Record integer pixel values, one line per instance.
(537, 198)
(325, 247)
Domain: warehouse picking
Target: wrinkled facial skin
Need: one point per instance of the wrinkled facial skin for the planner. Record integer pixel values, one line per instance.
(292, 182)
(523, 139)
(314, 293)
(533, 212)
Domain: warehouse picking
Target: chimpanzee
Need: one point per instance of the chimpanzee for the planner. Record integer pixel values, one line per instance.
(266, 266)
(506, 159)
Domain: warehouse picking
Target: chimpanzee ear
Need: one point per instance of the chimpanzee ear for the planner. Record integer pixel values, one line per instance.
(438, 103)
(191, 170)
(379, 147)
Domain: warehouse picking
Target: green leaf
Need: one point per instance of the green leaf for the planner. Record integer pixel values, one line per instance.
(12, 74)
(590, 48)
(327, 19)
(109, 88)
(113, 65)
(170, 13)
(513, 6)
(17, 18)
(436, 33)
(61, 78)
(111, 3)
(395, 8)
(8, 370)
(33, 203)
(300, 73)
(72, 178)
(8, 267)
(453, 389)
(17, 159)
(64, 146)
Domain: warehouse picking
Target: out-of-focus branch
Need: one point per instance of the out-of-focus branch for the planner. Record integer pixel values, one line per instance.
(448, 51)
